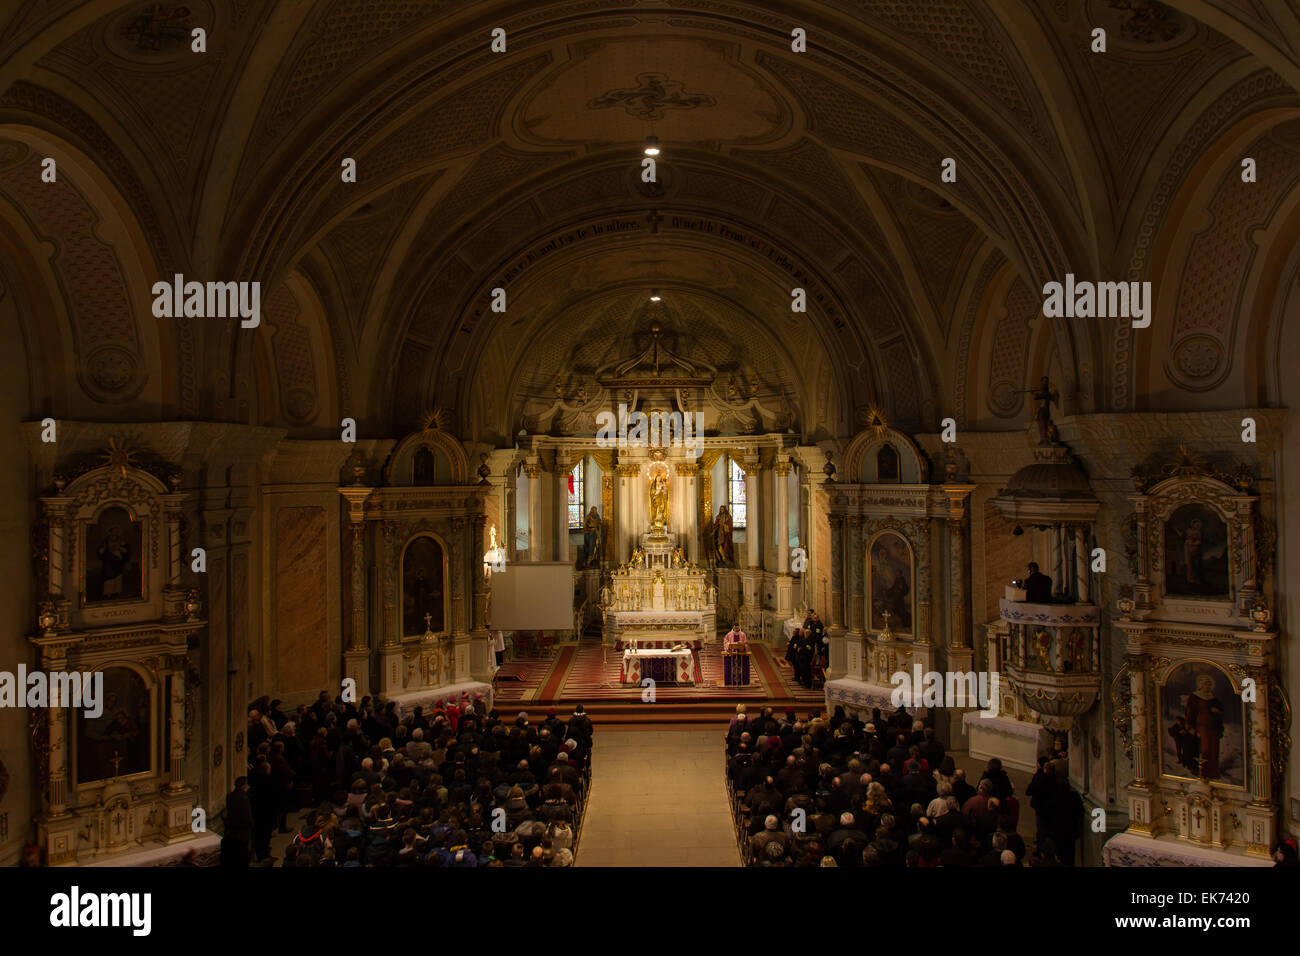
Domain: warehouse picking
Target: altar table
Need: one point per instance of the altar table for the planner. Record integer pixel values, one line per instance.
(662, 665)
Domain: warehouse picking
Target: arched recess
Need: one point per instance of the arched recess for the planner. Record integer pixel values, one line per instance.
(1208, 258)
(1270, 301)
(97, 264)
(295, 369)
(464, 330)
(796, 375)
(861, 457)
(424, 585)
(1009, 345)
(399, 470)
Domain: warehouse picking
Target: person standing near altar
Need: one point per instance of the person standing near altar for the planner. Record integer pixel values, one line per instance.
(734, 636)
(816, 636)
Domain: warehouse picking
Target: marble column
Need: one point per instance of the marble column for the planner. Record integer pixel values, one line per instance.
(957, 544)
(1054, 557)
(358, 637)
(781, 504)
(623, 516)
(853, 568)
(478, 547)
(1137, 665)
(536, 544)
(689, 533)
(54, 659)
(390, 561)
(176, 729)
(1082, 565)
(1261, 777)
(561, 508)
(836, 610)
(610, 515)
(753, 543)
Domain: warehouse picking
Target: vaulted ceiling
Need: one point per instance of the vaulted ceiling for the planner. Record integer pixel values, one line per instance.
(520, 170)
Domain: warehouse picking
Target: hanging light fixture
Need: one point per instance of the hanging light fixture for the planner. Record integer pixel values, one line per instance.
(654, 295)
(651, 146)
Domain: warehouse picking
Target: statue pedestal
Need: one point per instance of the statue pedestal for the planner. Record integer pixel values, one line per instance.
(658, 545)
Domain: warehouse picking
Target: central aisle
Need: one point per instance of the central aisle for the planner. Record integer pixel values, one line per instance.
(657, 799)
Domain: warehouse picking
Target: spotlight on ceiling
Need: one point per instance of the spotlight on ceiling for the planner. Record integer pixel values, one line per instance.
(652, 145)
(654, 295)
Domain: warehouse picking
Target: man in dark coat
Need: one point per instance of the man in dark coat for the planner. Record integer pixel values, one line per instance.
(1064, 818)
(264, 799)
(1038, 586)
(239, 825)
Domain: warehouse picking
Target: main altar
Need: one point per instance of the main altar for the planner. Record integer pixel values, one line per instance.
(657, 596)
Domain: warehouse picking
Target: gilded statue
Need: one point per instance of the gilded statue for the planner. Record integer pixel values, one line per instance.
(659, 500)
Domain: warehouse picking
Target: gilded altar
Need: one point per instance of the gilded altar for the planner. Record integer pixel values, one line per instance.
(658, 595)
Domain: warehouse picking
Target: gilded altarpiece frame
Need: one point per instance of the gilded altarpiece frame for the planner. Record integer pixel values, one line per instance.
(115, 783)
(1200, 686)
(864, 657)
(384, 522)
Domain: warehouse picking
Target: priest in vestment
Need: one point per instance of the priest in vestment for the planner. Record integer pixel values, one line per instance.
(734, 636)
(735, 658)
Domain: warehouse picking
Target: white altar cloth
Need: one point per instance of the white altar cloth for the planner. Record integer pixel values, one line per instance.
(645, 662)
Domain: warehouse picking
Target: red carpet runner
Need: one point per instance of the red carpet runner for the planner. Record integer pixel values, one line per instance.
(590, 672)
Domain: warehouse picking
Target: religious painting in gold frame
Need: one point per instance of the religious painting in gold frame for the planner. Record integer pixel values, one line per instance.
(1202, 725)
(891, 583)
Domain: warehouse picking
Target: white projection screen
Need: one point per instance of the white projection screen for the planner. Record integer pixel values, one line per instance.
(537, 596)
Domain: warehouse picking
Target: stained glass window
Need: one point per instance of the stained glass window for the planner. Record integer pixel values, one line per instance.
(577, 495)
(736, 493)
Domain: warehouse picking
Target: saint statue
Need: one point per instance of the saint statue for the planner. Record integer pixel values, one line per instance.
(659, 500)
(1045, 395)
(720, 537)
(590, 540)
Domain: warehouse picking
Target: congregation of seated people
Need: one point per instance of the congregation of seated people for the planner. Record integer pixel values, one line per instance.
(457, 785)
(839, 791)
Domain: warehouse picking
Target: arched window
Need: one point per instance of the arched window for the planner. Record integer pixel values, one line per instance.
(736, 493)
(422, 587)
(422, 467)
(577, 495)
(887, 464)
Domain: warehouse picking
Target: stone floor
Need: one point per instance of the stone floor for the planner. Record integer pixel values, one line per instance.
(658, 798)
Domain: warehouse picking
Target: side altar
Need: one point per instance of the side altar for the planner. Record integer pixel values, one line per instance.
(658, 595)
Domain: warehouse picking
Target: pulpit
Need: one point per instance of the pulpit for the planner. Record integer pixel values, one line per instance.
(735, 664)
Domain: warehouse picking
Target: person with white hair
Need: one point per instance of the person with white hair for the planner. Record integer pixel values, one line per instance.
(417, 748)
(771, 833)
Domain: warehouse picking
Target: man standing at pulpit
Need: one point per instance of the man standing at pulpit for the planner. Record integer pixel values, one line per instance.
(734, 636)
